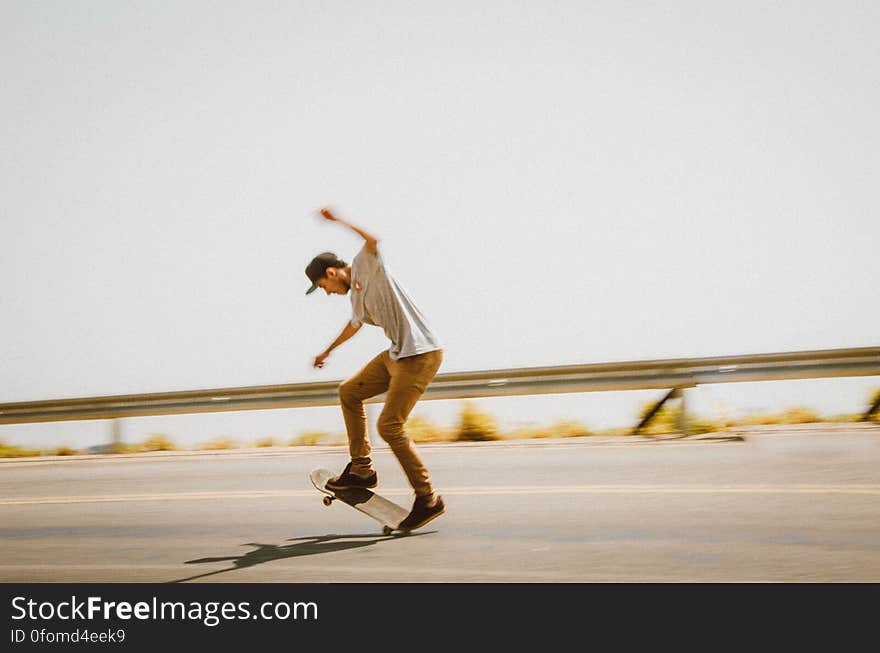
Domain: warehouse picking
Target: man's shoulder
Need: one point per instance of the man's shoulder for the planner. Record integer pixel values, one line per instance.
(366, 260)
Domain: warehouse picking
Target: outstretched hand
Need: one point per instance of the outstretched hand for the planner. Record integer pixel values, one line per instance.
(327, 214)
(319, 360)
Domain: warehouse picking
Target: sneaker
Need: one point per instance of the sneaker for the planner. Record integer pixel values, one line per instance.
(347, 481)
(422, 513)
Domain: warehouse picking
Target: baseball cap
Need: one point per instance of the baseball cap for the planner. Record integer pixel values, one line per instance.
(318, 268)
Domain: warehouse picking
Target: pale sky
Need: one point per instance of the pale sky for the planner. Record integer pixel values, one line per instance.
(553, 182)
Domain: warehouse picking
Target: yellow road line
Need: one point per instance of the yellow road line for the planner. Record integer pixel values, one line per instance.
(474, 491)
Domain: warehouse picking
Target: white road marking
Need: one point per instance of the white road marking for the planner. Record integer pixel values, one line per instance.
(467, 491)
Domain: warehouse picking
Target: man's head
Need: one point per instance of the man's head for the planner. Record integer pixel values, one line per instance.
(328, 272)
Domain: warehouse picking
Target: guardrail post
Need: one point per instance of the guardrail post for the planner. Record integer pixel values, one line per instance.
(649, 416)
(682, 421)
(115, 435)
(872, 410)
(682, 414)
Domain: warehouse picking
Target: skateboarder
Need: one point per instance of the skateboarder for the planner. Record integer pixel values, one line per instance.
(403, 371)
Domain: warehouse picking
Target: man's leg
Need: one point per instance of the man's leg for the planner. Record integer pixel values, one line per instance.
(409, 378)
(371, 380)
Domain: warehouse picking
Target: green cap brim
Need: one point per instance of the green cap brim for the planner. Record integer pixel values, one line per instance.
(313, 288)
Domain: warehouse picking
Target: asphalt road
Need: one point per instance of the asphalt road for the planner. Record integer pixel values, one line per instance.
(792, 505)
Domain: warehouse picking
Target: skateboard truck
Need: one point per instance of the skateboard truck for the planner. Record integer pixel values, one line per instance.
(386, 512)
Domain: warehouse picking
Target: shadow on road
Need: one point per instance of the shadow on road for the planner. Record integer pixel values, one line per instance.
(303, 546)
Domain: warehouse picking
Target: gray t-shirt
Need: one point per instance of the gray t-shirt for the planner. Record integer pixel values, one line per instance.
(378, 299)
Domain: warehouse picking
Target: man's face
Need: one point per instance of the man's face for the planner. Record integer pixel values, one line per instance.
(334, 282)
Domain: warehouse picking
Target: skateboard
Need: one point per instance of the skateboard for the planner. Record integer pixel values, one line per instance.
(386, 512)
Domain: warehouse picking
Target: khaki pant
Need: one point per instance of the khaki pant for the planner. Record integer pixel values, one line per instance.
(405, 381)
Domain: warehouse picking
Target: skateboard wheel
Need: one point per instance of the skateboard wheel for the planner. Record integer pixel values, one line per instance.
(327, 500)
(387, 530)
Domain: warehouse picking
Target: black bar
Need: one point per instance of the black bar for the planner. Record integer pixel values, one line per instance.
(400, 616)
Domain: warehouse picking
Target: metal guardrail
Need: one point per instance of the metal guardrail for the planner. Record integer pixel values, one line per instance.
(634, 375)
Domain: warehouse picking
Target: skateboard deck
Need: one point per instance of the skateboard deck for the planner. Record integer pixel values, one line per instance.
(386, 512)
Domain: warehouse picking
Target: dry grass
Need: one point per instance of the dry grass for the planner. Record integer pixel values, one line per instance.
(560, 429)
(313, 438)
(15, 451)
(219, 443)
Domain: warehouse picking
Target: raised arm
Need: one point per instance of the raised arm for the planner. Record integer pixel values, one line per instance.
(371, 241)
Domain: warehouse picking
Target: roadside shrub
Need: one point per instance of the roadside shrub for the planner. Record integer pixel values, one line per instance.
(560, 429)
(15, 451)
(800, 415)
(667, 419)
(755, 419)
(421, 429)
(157, 442)
(265, 442)
(475, 425)
(121, 447)
(793, 415)
(64, 450)
(220, 443)
(569, 429)
(874, 398)
(313, 438)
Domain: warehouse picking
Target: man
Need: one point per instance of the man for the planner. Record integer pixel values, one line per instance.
(403, 371)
